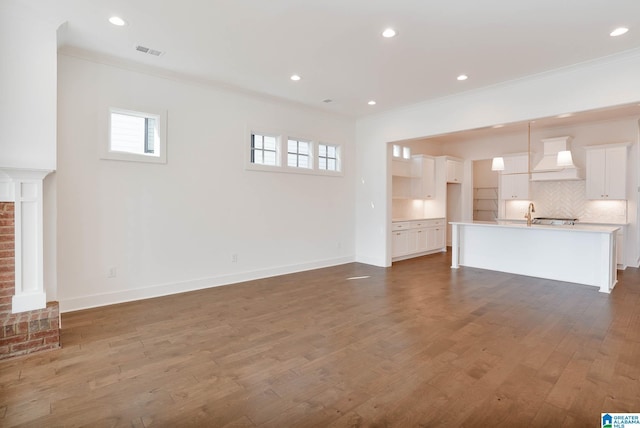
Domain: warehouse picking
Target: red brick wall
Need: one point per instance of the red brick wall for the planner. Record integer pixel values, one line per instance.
(25, 332)
(7, 255)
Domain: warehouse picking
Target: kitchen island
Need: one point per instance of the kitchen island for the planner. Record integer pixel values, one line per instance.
(577, 253)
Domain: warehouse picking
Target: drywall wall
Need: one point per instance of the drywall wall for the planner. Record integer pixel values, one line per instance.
(607, 82)
(28, 87)
(28, 97)
(130, 230)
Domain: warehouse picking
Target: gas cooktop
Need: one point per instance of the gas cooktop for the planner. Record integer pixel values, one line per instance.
(554, 221)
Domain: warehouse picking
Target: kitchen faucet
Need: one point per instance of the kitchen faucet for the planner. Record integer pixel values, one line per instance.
(530, 210)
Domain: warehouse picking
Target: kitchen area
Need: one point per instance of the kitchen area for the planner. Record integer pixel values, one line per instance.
(576, 176)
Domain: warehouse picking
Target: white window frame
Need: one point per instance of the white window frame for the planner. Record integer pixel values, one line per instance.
(310, 155)
(159, 115)
(258, 166)
(253, 150)
(282, 142)
(338, 148)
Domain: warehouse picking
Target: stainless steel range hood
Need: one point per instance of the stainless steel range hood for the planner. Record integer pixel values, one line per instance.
(547, 168)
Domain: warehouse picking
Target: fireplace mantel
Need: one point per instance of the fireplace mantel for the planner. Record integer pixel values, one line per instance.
(23, 187)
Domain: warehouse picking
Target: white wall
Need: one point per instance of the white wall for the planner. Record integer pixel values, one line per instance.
(174, 227)
(608, 82)
(28, 91)
(27, 87)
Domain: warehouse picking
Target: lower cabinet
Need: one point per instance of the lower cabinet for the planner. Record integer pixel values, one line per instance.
(417, 237)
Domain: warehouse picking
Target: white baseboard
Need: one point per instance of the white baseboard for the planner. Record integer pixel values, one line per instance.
(380, 262)
(104, 299)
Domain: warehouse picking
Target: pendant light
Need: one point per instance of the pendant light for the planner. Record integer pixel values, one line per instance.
(497, 164)
(564, 159)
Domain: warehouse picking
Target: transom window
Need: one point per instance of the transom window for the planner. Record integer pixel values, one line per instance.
(278, 152)
(134, 135)
(264, 149)
(298, 154)
(328, 157)
(134, 132)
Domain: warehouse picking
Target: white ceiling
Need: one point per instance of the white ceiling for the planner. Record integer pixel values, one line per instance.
(337, 48)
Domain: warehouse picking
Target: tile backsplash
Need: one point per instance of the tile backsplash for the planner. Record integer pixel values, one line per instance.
(567, 199)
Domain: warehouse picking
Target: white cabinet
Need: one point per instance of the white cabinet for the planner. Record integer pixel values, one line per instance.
(417, 237)
(607, 172)
(414, 178)
(401, 168)
(516, 164)
(455, 171)
(400, 243)
(401, 175)
(514, 186)
(435, 237)
(424, 181)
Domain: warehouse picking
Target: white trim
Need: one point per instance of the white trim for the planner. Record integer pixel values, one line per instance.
(282, 148)
(23, 187)
(103, 299)
(105, 141)
(28, 302)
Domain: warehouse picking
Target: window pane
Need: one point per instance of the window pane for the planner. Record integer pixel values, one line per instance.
(322, 150)
(322, 163)
(332, 151)
(303, 161)
(292, 146)
(256, 156)
(332, 165)
(269, 143)
(292, 160)
(269, 158)
(150, 137)
(257, 141)
(303, 148)
(135, 133)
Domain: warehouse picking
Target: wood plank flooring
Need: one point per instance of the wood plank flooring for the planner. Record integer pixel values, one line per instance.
(417, 344)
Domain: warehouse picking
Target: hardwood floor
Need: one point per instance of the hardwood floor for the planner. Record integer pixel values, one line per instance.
(417, 344)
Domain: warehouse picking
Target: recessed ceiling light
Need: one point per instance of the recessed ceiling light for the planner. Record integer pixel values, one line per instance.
(618, 31)
(564, 115)
(389, 32)
(497, 126)
(462, 77)
(116, 20)
(372, 103)
(295, 77)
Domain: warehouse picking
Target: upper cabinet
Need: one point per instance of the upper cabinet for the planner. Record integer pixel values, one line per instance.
(455, 171)
(401, 168)
(414, 178)
(514, 179)
(514, 186)
(607, 171)
(516, 164)
(424, 182)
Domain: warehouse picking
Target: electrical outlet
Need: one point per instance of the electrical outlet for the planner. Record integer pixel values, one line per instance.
(234, 258)
(112, 272)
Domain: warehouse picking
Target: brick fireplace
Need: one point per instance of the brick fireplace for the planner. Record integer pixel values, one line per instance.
(27, 322)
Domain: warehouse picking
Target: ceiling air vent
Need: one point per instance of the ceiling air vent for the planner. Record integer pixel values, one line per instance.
(149, 51)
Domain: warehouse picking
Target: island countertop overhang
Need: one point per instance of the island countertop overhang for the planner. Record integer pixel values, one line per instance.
(517, 225)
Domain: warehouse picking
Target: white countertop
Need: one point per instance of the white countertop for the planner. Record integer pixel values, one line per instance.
(395, 220)
(521, 225)
(587, 222)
